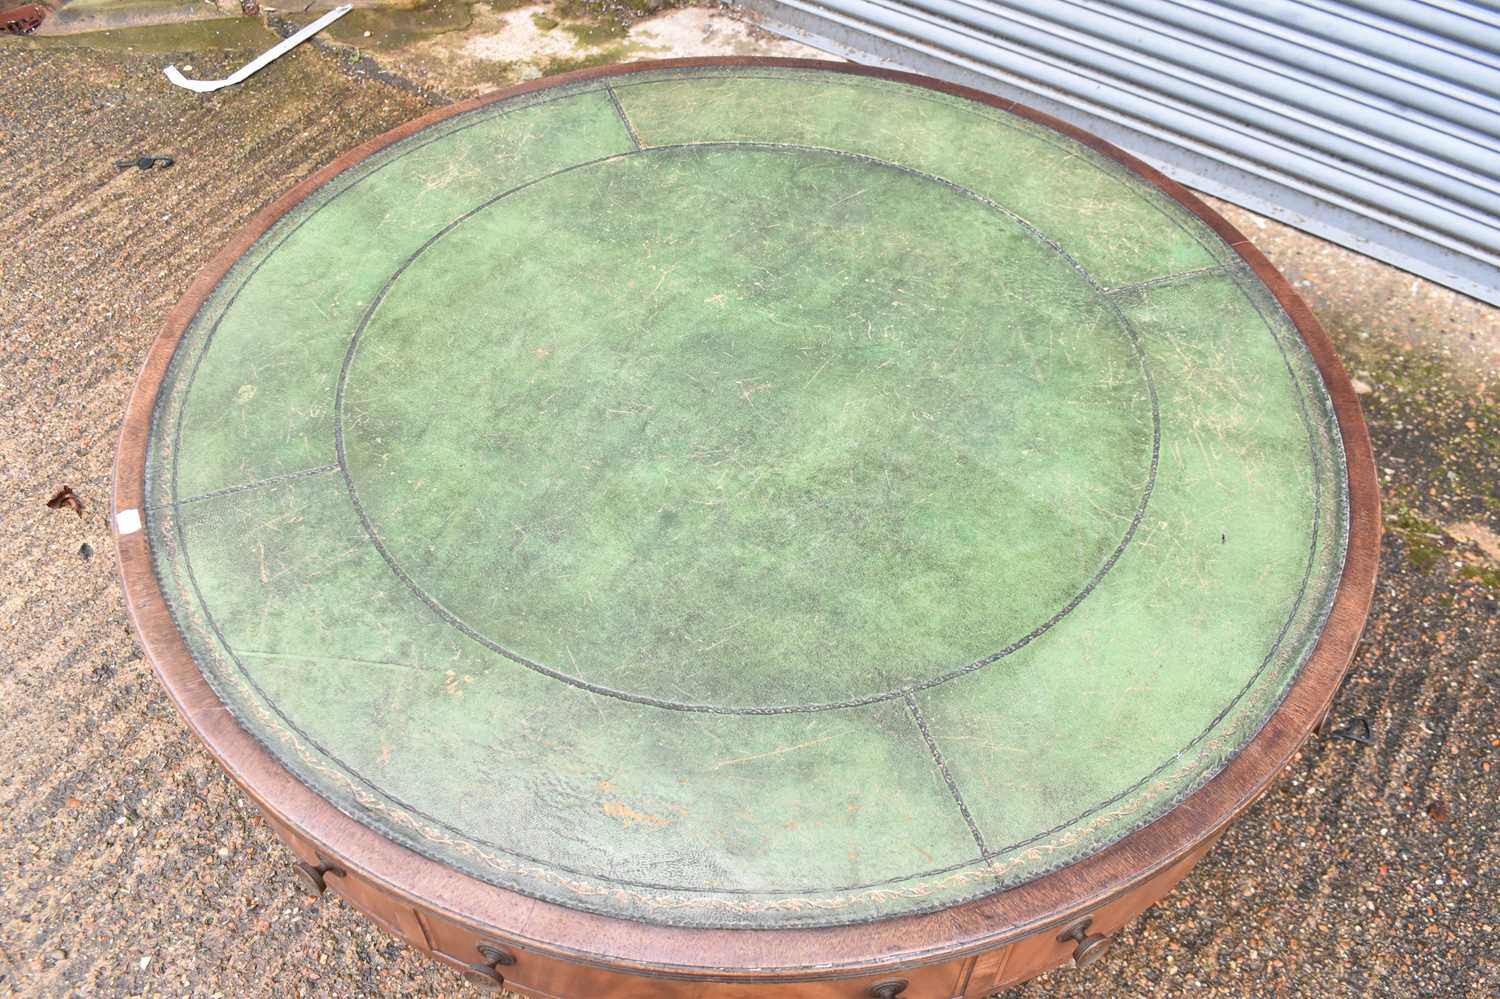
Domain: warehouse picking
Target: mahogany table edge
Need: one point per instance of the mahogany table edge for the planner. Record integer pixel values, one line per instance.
(760, 955)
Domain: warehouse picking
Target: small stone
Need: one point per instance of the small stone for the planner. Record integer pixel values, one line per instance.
(1361, 387)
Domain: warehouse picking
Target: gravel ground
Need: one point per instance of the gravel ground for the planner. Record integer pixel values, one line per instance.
(129, 865)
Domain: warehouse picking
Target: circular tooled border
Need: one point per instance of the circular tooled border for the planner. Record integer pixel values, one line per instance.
(764, 955)
(458, 623)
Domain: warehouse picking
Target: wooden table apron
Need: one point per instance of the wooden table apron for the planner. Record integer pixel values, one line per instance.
(757, 955)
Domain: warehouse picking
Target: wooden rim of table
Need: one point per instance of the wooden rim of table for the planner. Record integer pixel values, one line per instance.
(748, 954)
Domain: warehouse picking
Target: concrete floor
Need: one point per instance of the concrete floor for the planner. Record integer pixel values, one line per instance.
(129, 864)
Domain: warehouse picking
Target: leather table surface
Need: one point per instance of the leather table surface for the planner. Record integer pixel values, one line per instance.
(746, 496)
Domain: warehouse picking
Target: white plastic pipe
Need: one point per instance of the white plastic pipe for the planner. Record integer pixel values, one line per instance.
(265, 58)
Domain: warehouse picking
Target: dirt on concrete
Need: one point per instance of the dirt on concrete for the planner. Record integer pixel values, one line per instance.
(445, 49)
(131, 866)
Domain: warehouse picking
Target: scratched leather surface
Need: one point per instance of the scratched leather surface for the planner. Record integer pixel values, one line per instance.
(743, 497)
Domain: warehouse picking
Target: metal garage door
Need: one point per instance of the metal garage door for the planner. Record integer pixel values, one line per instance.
(1374, 123)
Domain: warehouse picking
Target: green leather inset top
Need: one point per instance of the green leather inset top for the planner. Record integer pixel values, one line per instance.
(746, 497)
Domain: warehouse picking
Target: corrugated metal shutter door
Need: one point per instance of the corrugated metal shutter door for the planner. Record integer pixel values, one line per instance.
(1374, 123)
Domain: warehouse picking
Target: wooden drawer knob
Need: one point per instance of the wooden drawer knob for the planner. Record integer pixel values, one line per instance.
(1089, 949)
(495, 954)
(311, 877)
(484, 977)
(889, 990)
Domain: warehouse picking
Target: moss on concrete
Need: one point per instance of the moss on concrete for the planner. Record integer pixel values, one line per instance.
(596, 32)
(1422, 538)
(1435, 425)
(393, 25)
(215, 34)
(603, 57)
(621, 13)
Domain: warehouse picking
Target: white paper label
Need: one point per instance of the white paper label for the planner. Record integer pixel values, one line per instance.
(128, 521)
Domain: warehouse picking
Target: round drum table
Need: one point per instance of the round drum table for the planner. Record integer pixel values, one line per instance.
(717, 528)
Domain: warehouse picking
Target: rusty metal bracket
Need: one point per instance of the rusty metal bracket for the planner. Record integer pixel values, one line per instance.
(24, 19)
